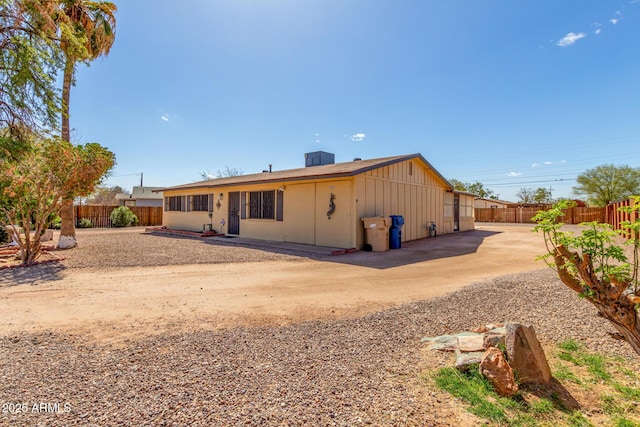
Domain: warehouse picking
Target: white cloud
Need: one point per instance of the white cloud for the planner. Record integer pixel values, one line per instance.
(597, 28)
(614, 21)
(165, 117)
(358, 137)
(547, 163)
(514, 174)
(570, 39)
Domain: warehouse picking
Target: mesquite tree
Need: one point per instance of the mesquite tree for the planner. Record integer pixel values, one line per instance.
(596, 266)
(33, 187)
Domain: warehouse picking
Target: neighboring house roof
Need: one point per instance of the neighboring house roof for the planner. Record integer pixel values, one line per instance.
(465, 193)
(141, 193)
(312, 172)
(495, 201)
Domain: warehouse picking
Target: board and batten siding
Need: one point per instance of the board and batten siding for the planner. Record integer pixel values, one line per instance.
(407, 188)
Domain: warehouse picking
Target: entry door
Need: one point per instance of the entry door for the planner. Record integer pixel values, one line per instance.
(234, 212)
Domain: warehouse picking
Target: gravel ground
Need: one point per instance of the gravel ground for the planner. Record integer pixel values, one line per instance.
(133, 247)
(351, 372)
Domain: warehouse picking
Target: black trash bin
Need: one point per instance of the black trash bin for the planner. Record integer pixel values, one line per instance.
(395, 231)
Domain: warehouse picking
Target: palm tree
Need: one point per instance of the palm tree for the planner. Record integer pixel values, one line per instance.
(86, 31)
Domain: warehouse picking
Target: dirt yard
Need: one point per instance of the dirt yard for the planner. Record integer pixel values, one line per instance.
(123, 282)
(139, 329)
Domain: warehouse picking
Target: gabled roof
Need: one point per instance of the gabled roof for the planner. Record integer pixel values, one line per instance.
(334, 170)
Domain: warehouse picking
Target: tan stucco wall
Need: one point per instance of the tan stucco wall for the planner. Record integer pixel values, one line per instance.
(339, 230)
(305, 208)
(300, 213)
(413, 191)
(194, 221)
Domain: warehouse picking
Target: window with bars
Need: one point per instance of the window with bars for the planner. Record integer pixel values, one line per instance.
(174, 203)
(262, 204)
(200, 202)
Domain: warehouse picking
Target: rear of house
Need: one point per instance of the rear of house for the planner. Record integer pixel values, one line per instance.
(323, 203)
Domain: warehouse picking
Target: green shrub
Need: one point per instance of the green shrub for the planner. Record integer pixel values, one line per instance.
(85, 223)
(123, 217)
(55, 222)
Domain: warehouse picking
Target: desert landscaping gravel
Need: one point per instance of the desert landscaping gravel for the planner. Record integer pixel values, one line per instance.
(134, 248)
(367, 370)
(350, 372)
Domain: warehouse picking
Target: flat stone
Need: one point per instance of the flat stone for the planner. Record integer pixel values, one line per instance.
(469, 343)
(444, 343)
(466, 334)
(464, 361)
(441, 342)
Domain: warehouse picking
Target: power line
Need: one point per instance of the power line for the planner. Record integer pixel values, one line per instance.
(515, 184)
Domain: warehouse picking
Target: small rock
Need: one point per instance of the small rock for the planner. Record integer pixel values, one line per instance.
(494, 339)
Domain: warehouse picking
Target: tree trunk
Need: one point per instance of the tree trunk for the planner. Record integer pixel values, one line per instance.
(67, 238)
(67, 229)
(631, 333)
(67, 81)
(611, 299)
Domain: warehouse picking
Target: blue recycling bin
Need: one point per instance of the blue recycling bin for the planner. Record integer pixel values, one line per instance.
(395, 231)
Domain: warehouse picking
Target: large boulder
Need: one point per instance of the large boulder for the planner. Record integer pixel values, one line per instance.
(525, 355)
(494, 367)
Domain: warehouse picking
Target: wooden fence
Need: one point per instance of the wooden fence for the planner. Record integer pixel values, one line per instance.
(524, 215)
(100, 215)
(616, 218)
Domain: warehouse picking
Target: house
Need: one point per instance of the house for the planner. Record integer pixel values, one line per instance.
(482, 203)
(141, 196)
(323, 203)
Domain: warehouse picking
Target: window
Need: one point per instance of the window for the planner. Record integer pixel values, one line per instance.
(173, 203)
(262, 204)
(200, 202)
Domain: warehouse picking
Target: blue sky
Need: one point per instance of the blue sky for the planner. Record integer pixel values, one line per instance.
(514, 94)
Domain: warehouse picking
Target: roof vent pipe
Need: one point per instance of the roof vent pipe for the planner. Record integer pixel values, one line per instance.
(270, 167)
